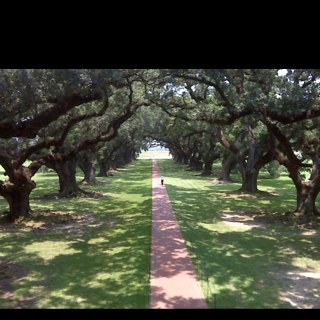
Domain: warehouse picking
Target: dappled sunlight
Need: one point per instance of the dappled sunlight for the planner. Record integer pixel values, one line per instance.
(101, 264)
(61, 297)
(301, 288)
(243, 256)
(134, 197)
(48, 250)
(247, 264)
(311, 263)
(237, 241)
(99, 240)
(116, 250)
(162, 300)
(239, 228)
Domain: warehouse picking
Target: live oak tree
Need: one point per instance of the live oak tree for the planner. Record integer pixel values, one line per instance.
(189, 141)
(293, 125)
(263, 94)
(46, 114)
(194, 145)
(129, 141)
(154, 126)
(106, 156)
(37, 102)
(62, 157)
(208, 149)
(123, 148)
(122, 105)
(298, 152)
(280, 103)
(87, 162)
(228, 163)
(252, 154)
(31, 100)
(222, 97)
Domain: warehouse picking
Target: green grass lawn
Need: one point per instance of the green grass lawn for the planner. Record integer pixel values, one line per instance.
(104, 264)
(239, 267)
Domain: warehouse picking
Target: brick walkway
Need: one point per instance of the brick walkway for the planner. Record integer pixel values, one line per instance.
(174, 284)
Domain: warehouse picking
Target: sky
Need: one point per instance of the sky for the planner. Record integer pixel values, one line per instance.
(282, 72)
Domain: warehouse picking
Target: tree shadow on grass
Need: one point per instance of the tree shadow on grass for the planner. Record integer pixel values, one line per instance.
(246, 263)
(160, 300)
(101, 269)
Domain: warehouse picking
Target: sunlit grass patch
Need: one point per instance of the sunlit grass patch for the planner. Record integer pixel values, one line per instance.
(48, 250)
(305, 262)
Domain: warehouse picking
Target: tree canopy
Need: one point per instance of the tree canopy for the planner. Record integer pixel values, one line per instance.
(62, 118)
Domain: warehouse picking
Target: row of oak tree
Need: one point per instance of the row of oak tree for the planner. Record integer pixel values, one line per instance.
(102, 118)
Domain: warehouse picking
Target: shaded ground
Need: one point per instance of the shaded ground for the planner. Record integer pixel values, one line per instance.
(302, 284)
(45, 220)
(80, 194)
(10, 273)
(310, 224)
(38, 222)
(303, 288)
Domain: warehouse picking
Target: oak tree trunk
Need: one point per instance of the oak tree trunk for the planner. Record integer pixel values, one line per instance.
(195, 164)
(67, 178)
(104, 167)
(207, 169)
(89, 169)
(306, 199)
(66, 171)
(19, 204)
(249, 181)
(227, 165)
(17, 191)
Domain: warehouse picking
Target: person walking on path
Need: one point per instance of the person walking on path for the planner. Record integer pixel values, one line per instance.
(162, 180)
